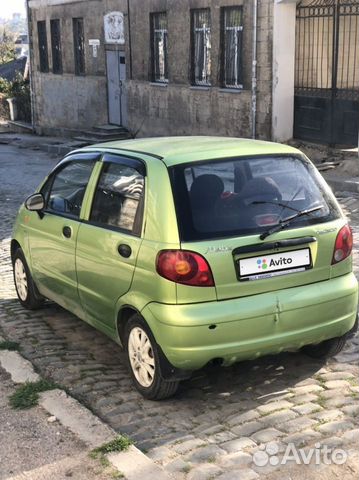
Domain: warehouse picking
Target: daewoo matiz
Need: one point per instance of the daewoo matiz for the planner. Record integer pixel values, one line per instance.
(191, 250)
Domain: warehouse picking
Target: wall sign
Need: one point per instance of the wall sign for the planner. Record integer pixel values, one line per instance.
(94, 43)
(114, 28)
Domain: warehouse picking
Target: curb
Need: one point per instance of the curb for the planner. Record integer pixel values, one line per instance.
(342, 185)
(82, 422)
(61, 147)
(62, 150)
(21, 370)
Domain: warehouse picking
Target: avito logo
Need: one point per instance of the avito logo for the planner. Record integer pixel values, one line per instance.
(280, 261)
(262, 264)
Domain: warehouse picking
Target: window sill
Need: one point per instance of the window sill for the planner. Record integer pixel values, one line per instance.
(159, 84)
(205, 88)
(231, 90)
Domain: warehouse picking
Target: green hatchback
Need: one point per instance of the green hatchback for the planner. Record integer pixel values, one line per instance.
(190, 250)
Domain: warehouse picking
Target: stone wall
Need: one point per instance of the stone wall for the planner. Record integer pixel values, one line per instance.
(70, 101)
(67, 100)
(179, 108)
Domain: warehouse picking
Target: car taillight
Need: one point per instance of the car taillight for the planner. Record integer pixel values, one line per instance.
(343, 244)
(184, 267)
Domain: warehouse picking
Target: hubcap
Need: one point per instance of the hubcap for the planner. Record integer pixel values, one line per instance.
(141, 357)
(20, 279)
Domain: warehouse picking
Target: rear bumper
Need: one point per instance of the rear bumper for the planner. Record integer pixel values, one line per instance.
(246, 328)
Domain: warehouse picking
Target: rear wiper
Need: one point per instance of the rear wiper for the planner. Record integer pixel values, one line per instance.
(286, 221)
(263, 202)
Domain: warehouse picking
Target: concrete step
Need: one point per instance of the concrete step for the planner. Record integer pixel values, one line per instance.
(110, 128)
(104, 136)
(20, 127)
(90, 140)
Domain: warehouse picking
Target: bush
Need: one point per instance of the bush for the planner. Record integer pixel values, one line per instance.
(5, 86)
(19, 89)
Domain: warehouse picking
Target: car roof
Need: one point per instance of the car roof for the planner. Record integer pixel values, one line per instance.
(178, 150)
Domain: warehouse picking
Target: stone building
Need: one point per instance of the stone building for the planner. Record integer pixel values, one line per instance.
(179, 67)
(68, 60)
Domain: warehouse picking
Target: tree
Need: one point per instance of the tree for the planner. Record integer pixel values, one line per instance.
(7, 47)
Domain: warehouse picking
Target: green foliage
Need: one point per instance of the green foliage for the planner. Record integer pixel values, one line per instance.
(118, 444)
(7, 47)
(5, 87)
(117, 475)
(20, 89)
(27, 395)
(8, 345)
(17, 87)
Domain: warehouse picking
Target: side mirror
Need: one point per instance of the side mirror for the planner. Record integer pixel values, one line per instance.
(35, 203)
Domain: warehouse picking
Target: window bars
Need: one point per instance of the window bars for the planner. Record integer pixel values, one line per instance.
(42, 40)
(56, 46)
(159, 36)
(79, 45)
(232, 40)
(201, 47)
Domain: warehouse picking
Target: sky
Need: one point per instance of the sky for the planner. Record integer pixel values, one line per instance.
(8, 7)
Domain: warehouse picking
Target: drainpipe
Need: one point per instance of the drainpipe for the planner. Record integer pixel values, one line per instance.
(254, 68)
(129, 36)
(32, 94)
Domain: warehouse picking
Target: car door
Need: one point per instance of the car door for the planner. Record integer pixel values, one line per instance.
(52, 234)
(109, 240)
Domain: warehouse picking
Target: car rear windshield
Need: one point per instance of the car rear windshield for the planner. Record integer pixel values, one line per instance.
(244, 196)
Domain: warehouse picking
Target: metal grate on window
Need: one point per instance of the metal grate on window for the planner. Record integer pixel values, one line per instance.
(201, 46)
(56, 46)
(159, 36)
(42, 39)
(232, 40)
(79, 45)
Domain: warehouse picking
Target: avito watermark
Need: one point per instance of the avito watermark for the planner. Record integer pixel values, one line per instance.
(319, 454)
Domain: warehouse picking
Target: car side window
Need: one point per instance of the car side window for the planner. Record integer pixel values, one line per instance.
(118, 199)
(68, 188)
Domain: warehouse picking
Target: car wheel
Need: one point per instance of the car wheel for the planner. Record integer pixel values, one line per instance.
(26, 290)
(326, 349)
(144, 361)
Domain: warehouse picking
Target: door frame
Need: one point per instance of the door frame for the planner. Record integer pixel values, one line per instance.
(123, 52)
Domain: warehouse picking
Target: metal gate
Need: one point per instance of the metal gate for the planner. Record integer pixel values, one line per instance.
(327, 72)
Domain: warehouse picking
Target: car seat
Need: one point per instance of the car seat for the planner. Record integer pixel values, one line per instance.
(205, 191)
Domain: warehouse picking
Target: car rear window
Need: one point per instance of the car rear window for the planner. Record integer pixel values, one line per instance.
(244, 196)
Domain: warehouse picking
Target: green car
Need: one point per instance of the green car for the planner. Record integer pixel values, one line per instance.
(190, 250)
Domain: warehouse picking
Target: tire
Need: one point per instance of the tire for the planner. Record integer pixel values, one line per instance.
(143, 358)
(26, 290)
(328, 348)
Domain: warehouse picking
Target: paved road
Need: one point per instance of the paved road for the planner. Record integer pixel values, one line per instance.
(220, 417)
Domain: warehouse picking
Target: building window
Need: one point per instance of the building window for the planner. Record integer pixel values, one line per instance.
(201, 46)
(159, 47)
(56, 46)
(79, 45)
(42, 39)
(232, 34)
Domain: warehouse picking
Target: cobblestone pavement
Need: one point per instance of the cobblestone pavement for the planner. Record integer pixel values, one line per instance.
(221, 416)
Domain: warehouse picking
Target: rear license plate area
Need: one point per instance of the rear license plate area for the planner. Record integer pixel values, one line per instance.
(274, 265)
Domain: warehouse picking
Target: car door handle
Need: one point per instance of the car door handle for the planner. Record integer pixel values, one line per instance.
(67, 232)
(124, 250)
